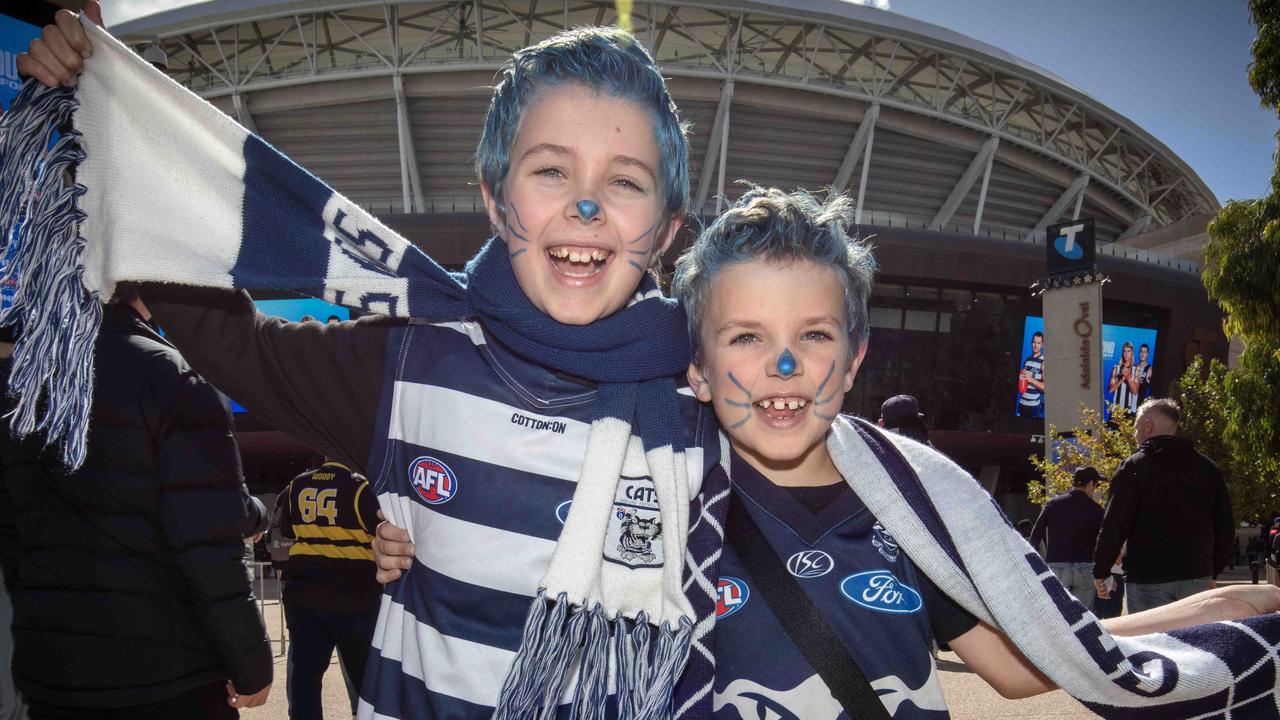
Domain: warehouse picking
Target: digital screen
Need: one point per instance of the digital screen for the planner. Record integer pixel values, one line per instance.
(294, 310)
(1128, 354)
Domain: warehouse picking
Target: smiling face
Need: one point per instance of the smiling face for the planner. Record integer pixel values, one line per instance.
(757, 313)
(1037, 343)
(581, 261)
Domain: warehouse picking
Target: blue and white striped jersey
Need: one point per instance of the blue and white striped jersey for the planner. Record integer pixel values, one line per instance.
(480, 460)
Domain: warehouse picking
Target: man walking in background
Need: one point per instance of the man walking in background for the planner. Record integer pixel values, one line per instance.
(330, 595)
(1171, 505)
(1071, 521)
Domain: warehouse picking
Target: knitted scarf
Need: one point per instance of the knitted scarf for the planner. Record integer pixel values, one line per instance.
(169, 189)
(953, 531)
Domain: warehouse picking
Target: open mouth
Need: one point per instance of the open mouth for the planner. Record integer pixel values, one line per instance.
(782, 409)
(578, 262)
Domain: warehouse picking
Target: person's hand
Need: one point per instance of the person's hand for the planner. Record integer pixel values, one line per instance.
(257, 538)
(58, 55)
(392, 551)
(1100, 587)
(239, 701)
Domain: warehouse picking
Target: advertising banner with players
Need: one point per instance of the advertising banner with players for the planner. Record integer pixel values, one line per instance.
(1128, 354)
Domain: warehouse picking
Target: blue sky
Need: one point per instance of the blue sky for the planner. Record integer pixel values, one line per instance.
(1175, 67)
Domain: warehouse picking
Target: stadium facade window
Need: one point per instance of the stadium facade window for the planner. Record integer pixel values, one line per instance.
(952, 347)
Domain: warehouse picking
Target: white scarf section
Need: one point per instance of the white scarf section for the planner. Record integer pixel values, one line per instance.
(953, 531)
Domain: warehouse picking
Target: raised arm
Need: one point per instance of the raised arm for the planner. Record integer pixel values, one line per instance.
(317, 382)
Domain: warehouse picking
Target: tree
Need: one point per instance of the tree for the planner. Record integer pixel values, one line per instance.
(1094, 442)
(1242, 273)
(1204, 392)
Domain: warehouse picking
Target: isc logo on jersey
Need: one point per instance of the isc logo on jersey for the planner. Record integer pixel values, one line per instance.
(432, 480)
(810, 564)
(731, 595)
(879, 590)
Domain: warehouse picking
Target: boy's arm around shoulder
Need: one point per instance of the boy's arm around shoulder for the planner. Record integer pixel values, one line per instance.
(319, 383)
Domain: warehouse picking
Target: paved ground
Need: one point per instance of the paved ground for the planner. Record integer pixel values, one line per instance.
(968, 696)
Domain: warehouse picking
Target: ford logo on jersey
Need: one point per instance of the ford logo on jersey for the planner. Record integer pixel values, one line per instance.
(731, 595)
(562, 511)
(810, 564)
(432, 480)
(879, 590)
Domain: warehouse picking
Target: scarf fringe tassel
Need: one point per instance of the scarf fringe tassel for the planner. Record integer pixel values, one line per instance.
(646, 663)
(52, 376)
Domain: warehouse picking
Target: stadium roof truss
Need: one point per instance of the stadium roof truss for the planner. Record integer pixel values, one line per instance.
(900, 66)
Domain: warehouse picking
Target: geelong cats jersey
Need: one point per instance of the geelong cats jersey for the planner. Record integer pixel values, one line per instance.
(880, 607)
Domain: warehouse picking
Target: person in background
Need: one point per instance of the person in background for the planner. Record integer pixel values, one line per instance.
(1071, 522)
(330, 596)
(1031, 380)
(1170, 504)
(130, 595)
(901, 414)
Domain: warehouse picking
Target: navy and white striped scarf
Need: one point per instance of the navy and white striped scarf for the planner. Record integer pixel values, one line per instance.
(169, 189)
(953, 531)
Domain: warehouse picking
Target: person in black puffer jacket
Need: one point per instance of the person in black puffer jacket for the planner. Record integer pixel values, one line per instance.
(130, 595)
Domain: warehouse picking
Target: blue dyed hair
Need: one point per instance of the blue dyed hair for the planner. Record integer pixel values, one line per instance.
(768, 224)
(606, 59)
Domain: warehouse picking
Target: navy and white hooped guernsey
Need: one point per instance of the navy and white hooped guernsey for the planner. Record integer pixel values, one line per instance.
(482, 454)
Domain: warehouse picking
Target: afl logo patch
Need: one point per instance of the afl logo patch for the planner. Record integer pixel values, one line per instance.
(810, 564)
(879, 590)
(731, 595)
(432, 480)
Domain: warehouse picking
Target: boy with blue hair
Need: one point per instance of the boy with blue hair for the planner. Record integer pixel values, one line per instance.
(524, 426)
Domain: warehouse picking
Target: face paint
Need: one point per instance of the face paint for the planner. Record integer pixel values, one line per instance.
(641, 252)
(587, 209)
(517, 234)
(786, 363)
(819, 399)
(739, 404)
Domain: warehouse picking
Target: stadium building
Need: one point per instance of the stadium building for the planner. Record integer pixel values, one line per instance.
(958, 154)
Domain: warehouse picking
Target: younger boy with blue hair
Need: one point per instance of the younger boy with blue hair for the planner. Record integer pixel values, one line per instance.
(776, 293)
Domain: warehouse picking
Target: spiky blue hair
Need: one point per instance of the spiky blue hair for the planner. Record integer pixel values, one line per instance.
(769, 224)
(607, 59)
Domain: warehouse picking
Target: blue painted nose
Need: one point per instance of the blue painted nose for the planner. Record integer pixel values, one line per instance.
(786, 363)
(587, 209)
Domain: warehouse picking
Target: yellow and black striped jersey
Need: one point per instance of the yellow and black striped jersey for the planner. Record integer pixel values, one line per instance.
(331, 515)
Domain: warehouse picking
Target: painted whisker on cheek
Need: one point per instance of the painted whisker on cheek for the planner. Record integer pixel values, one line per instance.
(521, 250)
(511, 228)
(516, 212)
(646, 232)
(819, 400)
(735, 403)
(636, 265)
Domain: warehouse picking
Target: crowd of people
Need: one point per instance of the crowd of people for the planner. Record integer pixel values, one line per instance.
(599, 502)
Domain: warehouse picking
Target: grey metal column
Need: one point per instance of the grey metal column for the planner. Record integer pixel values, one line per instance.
(856, 148)
(962, 187)
(410, 181)
(714, 144)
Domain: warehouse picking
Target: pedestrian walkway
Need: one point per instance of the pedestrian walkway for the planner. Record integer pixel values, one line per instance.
(968, 696)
